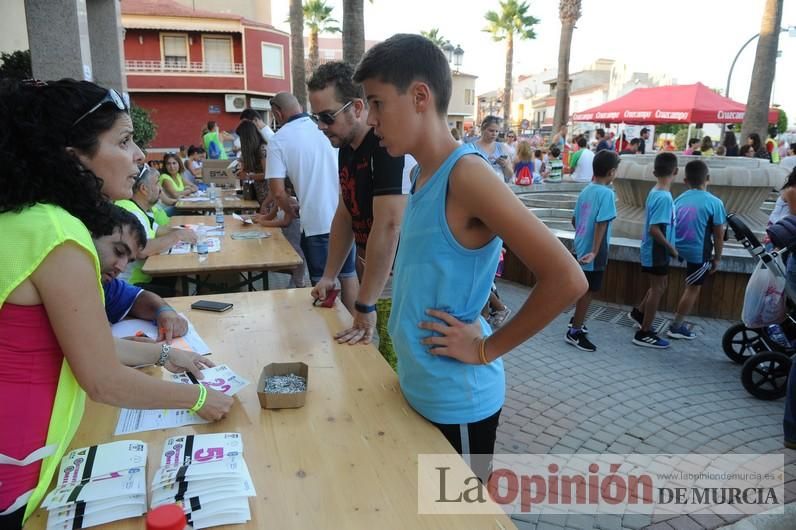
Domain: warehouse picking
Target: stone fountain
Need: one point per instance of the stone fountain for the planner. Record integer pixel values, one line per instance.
(743, 184)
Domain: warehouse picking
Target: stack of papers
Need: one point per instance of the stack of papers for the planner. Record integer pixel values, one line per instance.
(207, 475)
(97, 485)
(220, 378)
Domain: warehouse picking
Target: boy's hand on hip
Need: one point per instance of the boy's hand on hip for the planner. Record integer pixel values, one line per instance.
(454, 338)
(362, 330)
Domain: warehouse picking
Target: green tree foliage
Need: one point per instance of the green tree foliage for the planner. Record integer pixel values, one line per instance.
(434, 36)
(144, 129)
(16, 65)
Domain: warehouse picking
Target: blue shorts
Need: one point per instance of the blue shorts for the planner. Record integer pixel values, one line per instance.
(316, 251)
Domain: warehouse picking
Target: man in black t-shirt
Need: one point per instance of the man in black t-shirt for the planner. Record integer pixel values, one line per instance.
(643, 137)
(373, 188)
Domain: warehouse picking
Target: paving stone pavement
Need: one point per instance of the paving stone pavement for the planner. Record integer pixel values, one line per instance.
(627, 399)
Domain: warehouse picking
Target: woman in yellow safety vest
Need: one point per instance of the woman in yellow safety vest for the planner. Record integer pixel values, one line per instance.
(65, 148)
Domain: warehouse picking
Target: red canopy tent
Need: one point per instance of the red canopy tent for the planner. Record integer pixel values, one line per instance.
(669, 104)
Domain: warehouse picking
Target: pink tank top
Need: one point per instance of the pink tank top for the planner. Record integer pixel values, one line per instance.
(30, 364)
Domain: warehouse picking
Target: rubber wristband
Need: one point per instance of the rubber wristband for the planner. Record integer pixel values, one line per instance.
(200, 401)
(163, 309)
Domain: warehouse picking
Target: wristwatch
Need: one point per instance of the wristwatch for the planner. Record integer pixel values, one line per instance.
(362, 308)
(164, 355)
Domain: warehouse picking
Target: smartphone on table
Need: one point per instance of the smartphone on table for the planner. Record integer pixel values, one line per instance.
(207, 305)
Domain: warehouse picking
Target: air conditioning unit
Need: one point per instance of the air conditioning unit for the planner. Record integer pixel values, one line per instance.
(234, 102)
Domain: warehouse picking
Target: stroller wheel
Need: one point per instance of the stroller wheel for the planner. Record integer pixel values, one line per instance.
(740, 343)
(765, 375)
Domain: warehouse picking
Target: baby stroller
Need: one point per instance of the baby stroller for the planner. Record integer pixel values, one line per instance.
(765, 352)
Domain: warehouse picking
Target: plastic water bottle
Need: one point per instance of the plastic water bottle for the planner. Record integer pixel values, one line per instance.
(211, 193)
(219, 213)
(201, 243)
(777, 335)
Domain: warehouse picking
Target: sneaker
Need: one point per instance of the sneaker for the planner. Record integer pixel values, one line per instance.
(579, 340)
(583, 328)
(649, 339)
(498, 318)
(680, 332)
(637, 317)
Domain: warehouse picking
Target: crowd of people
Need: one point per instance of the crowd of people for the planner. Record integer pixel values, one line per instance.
(374, 162)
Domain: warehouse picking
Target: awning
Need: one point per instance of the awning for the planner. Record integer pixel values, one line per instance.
(192, 24)
(669, 104)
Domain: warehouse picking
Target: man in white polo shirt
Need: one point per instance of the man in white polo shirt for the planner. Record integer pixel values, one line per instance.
(301, 152)
(583, 171)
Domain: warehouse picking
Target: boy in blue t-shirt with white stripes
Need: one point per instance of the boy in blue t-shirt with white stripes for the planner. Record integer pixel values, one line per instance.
(699, 240)
(594, 211)
(657, 246)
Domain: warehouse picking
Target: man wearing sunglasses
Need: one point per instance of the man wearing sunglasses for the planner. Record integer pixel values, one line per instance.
(300, 152)
(373, 196)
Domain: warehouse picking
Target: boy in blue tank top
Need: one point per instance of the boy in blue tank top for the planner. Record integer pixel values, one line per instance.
(699, 239)
(657, 246)
(449, 363)
(594, 211)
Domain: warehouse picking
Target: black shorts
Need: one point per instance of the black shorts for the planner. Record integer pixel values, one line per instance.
(479, 445)
(595, 279)
(657, 270)
(696, 273)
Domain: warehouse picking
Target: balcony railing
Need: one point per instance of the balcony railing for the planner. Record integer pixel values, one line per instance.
(177, 67)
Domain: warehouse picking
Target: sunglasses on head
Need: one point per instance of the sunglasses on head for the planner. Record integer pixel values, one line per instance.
(327, 118)
(111, 97)
(142, 170)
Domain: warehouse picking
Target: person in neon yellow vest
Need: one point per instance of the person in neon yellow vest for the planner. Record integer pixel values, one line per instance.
(55, 342)
(171, 180)
(146, 192)
(213, 141)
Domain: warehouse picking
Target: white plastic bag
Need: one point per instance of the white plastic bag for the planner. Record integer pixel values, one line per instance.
(764, 301)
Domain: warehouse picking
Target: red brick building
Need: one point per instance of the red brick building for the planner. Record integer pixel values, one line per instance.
(189, 66)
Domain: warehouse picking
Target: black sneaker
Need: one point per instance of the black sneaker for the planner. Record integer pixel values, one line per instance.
(649, 339)
(583, 328)
(579, 340)
(637, 317)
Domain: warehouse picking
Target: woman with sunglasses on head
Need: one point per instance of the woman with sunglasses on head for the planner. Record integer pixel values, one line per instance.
(174, 186)
(252, 158)
(65, 148)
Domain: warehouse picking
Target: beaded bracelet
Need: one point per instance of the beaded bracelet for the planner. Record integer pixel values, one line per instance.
(200, 402)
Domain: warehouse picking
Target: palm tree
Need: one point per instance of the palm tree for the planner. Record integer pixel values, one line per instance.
(569, 13)
(434, 36)
(298, 73)
(756, 118)
(353, 31)
(318, 19)
(512, 20)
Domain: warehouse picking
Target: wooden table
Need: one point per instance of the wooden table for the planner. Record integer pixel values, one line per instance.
(241, 255)
(231, 202)
(346, 460)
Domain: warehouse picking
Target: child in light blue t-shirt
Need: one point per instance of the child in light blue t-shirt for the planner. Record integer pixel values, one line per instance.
(699, 240)
(657, 247)
(594, 211)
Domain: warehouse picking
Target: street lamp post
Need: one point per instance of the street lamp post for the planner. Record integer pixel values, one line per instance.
(790, 30)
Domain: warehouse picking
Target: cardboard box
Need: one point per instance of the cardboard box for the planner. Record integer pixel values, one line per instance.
(282, 401)
(218, 172)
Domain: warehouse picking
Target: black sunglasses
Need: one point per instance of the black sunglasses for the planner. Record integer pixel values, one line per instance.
(327, 118)
(111, 97)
